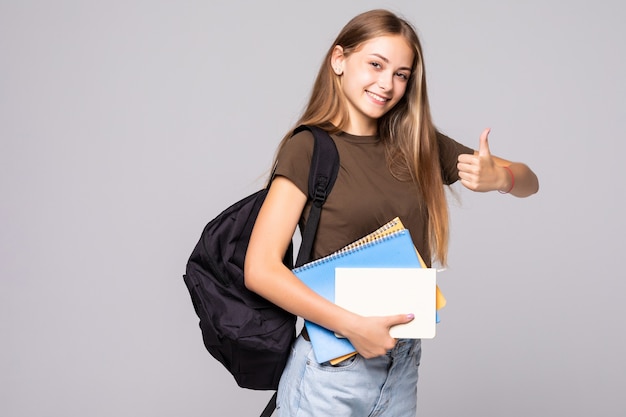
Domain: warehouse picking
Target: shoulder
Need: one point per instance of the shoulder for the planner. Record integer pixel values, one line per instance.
(294, 159)
(299, 145)
(449, 151)
(449, 146)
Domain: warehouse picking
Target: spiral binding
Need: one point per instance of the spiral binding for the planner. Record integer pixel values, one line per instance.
(367, 241)
(372, 236)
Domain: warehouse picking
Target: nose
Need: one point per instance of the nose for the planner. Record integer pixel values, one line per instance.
(385, 81)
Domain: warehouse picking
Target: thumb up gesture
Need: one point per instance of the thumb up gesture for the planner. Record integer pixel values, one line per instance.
(479, 172)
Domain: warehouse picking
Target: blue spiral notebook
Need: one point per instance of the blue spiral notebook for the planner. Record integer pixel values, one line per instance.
(393, 250)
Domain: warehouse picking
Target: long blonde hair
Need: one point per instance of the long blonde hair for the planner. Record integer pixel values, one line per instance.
(406, 130)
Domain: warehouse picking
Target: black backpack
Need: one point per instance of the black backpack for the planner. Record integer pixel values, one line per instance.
(249, 335)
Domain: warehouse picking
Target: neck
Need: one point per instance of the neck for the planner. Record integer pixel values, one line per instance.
(361, 129)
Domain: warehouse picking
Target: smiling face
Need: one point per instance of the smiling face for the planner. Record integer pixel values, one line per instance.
(374, 78)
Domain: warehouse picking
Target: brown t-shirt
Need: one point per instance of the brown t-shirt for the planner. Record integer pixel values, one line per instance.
(365, 195)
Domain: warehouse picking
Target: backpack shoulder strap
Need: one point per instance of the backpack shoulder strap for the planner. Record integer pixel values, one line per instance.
(322, 176)
(270, 407)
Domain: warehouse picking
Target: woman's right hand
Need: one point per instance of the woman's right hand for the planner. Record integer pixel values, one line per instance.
(370, 335)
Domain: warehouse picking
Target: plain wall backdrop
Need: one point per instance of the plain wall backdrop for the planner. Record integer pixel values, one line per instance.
(126, 125)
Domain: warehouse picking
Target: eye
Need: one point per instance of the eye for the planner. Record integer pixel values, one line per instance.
(376, 64)
(402, 75)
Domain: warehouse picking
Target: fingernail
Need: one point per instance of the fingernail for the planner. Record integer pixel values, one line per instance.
(410, 316)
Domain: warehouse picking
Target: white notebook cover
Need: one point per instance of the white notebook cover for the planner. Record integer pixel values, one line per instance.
(389, 291)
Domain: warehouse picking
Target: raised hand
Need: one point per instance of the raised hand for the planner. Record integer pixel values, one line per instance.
(479, 172)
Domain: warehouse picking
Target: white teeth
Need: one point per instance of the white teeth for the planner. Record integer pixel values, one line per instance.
(377, 97)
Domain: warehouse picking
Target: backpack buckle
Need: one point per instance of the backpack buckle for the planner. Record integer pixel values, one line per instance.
(320, 190)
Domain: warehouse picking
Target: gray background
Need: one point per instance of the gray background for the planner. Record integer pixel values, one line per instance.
(126, 125)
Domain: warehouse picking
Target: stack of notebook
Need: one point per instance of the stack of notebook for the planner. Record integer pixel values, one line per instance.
(380, 274)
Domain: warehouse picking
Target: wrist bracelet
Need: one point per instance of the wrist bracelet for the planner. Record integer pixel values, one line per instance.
(512, 181)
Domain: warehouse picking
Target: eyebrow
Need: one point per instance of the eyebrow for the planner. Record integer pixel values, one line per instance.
(387, 61)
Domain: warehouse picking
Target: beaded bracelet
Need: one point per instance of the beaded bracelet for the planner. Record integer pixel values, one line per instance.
(512, 181)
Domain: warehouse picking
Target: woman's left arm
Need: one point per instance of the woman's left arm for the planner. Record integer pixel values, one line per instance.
(484, 172)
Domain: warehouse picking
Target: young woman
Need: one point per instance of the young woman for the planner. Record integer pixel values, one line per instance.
(370, 94)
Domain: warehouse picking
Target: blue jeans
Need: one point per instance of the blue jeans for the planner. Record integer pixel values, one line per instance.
(382, 386)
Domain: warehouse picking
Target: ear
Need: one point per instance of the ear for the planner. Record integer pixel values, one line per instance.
(337, 59)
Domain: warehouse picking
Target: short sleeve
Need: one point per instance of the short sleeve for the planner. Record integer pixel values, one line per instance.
(294, 159)
(449, 151)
